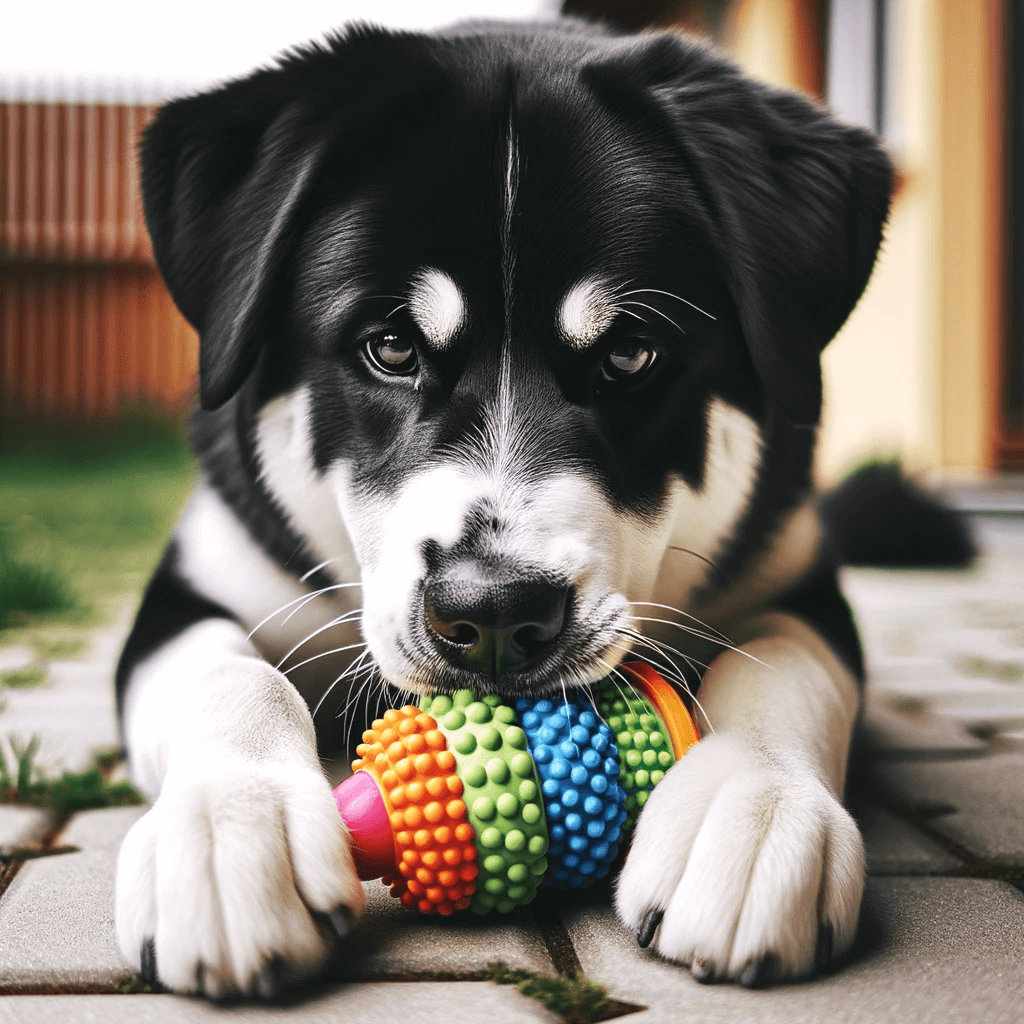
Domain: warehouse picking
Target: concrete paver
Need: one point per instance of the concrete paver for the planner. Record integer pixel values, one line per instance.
(20, 826)
(73, 712)
(421, 1003)
(896, 848)
(394, 941)
(934, 949)
(12, 659)
(886, 732)
(57, 917)
(987, 794)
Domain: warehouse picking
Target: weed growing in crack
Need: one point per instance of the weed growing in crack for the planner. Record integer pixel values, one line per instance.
(27, 783)
(23, 678)
(574, 996)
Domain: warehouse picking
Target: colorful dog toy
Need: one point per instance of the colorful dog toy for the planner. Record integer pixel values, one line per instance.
(469, 802)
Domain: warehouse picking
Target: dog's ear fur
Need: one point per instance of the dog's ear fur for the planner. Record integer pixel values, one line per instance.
(794, 200)
(223, 177)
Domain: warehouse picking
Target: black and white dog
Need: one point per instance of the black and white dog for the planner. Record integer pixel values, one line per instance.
(509, 355)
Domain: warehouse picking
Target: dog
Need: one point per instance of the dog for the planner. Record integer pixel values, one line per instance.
(509, 368)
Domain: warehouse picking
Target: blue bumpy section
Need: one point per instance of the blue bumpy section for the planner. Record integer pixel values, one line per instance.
(578, 764)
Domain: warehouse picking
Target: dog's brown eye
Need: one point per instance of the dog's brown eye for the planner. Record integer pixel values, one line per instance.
(392, 353)
(627, 360)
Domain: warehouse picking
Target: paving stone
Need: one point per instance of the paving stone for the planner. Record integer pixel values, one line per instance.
(14, 658)
(22, 825)
(896, 848)
(885, 732)
(987, 795)
(393, 940)
(73, 713)
(57, 917)
(935, 949)
(421, 1002)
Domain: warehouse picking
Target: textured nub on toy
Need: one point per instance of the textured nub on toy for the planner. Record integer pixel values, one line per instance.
(433, 842)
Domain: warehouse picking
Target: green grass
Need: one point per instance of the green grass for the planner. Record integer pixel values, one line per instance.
(27, 586)
(84, 515)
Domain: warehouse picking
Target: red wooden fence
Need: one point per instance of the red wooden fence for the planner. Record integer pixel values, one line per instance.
(86, 324)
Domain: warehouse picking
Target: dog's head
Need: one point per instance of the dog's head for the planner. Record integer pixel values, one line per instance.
(539, 300)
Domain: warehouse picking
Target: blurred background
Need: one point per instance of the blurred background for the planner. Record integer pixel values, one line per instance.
(97, 367)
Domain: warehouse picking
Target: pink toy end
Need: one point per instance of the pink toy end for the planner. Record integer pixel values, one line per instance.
(361, 805)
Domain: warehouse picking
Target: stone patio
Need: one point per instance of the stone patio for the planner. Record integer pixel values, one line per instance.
(938, 787)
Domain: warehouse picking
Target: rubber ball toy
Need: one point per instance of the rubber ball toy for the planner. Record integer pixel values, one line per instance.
(469, 802)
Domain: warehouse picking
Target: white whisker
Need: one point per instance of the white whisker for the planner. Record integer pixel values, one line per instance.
(340, 620)
(671, 295)
(303, 597)
(324, 654)
(634, 302)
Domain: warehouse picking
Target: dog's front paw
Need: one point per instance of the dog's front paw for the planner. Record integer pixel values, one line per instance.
(238, 880)
(744, 867)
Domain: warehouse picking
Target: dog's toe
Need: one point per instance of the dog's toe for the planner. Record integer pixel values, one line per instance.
(703, 970)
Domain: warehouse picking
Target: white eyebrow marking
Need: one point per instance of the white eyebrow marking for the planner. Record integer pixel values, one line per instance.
(437, 306)
(587, 311)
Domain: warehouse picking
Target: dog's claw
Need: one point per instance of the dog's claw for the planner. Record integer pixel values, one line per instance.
(703, 970)
(341, 923)
(147, 961)
(648, 926)
(759, 973)
(269, 983)
(823, 954)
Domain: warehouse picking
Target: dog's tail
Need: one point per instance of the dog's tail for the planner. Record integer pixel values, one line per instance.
(878, 517)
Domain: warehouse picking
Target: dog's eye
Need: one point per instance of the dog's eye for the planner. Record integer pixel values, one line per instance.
(392, 353)
(627, 360)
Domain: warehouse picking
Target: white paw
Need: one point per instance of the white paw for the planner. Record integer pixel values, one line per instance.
(744, 867)
(238, 880)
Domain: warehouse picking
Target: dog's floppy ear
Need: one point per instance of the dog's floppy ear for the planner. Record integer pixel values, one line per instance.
(223, 177)
(793, 199)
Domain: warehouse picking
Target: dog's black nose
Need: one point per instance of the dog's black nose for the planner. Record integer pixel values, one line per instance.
(493, 628)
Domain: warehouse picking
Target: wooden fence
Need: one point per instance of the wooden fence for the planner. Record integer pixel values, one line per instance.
(86, 324)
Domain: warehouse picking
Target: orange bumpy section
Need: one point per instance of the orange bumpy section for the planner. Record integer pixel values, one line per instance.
(434, 843)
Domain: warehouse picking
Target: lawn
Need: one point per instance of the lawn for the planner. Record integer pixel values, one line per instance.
(84, 516)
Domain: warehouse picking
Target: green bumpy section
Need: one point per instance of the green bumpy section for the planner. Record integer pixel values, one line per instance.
(645, 750)
(502, 796)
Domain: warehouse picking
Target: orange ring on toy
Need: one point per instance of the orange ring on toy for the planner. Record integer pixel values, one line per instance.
(682, 730)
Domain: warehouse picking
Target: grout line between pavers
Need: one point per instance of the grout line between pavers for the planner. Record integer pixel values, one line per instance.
(974, 865)
(10, 869)
(557, 939)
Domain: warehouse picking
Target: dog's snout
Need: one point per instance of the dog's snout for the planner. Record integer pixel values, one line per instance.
(494, 627)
